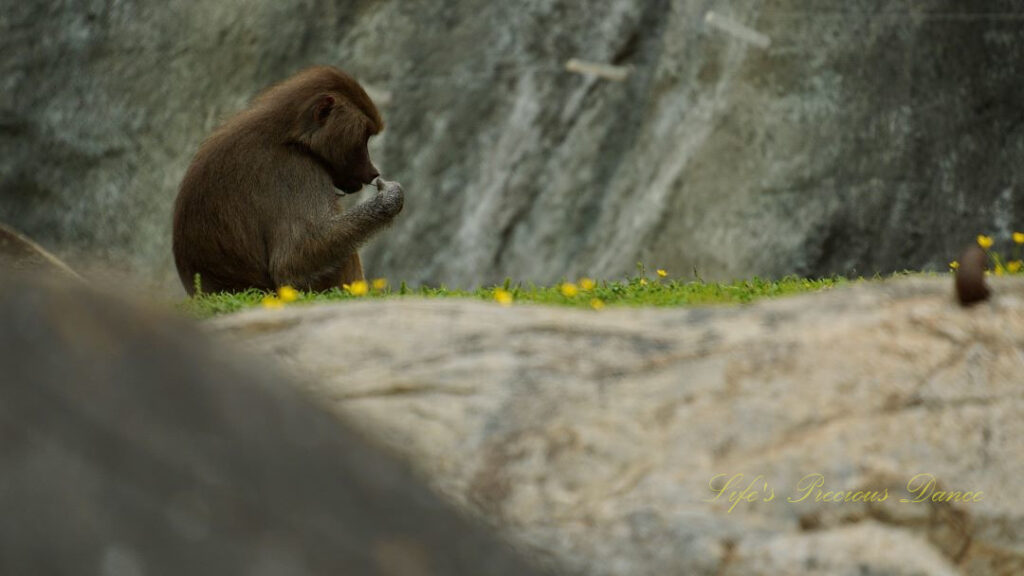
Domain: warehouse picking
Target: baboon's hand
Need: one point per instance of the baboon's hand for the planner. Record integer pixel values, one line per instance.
(390, 198)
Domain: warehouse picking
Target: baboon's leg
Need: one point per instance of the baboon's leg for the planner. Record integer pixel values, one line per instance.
(351, 270)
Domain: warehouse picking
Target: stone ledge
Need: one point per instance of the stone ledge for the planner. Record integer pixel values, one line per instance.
(595, 435)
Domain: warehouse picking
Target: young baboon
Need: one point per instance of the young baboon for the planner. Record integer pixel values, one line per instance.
(970, 276)
(260, 204)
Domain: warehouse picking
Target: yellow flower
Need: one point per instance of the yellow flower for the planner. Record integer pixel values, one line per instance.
(272, 302)
(643, 281)
(287, 294)
(503, 297)
(1018, 237)
(569, 289)
(662, 273)
(596, 304)
(357, 288)
(984, 241)
(1014, 267)
(954, 265)
(586, 284)
(380, 283)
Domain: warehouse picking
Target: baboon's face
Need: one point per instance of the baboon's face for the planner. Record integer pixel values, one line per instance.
(340, 140)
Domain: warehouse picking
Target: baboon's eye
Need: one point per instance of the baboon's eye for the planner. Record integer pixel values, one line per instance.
(322, 109)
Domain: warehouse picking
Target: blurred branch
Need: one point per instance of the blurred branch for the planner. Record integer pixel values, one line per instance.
(605, 71)
(734, 28)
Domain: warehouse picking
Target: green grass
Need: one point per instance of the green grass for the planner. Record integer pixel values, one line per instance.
(636, 291)
(639, 290)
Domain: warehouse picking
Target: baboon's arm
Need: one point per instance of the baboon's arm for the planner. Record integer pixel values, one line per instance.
(304, 256)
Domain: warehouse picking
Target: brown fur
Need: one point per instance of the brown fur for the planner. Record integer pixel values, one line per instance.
(970, 276)
(258, 207)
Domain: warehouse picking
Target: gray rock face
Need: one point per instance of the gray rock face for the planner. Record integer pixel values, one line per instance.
(612, 439)
(130, 446)
(868, 136)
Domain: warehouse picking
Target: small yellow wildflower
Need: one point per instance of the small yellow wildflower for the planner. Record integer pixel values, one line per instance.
(1018, 237)
(569, 289)
(954, 265)
(287, 294)
(272, 302)
(357, 288)
(503, 297)
(586, 284)
(662, 273)
(380, 283)
(643, 281)
(1014, 267)
(596, 304)
(984, 241)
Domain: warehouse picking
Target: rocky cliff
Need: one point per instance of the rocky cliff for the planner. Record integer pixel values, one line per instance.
(870, 135)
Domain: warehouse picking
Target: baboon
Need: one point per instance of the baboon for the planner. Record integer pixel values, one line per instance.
(970, 276)
(259, 206)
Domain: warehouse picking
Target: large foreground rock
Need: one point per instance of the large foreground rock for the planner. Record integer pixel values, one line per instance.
(596, 435)
(21, 254)
(130, 446)
(870, 135)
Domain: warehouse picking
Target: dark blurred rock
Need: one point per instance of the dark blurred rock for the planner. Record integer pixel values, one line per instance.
(129, 445)
(871, 135)
(18, 253)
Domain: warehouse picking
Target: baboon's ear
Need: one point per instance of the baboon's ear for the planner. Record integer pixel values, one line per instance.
(322, 108)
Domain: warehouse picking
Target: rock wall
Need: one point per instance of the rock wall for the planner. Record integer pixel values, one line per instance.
(601, 437)
(870, 136)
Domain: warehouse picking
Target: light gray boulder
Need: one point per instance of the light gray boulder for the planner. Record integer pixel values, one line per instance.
(598, 436)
